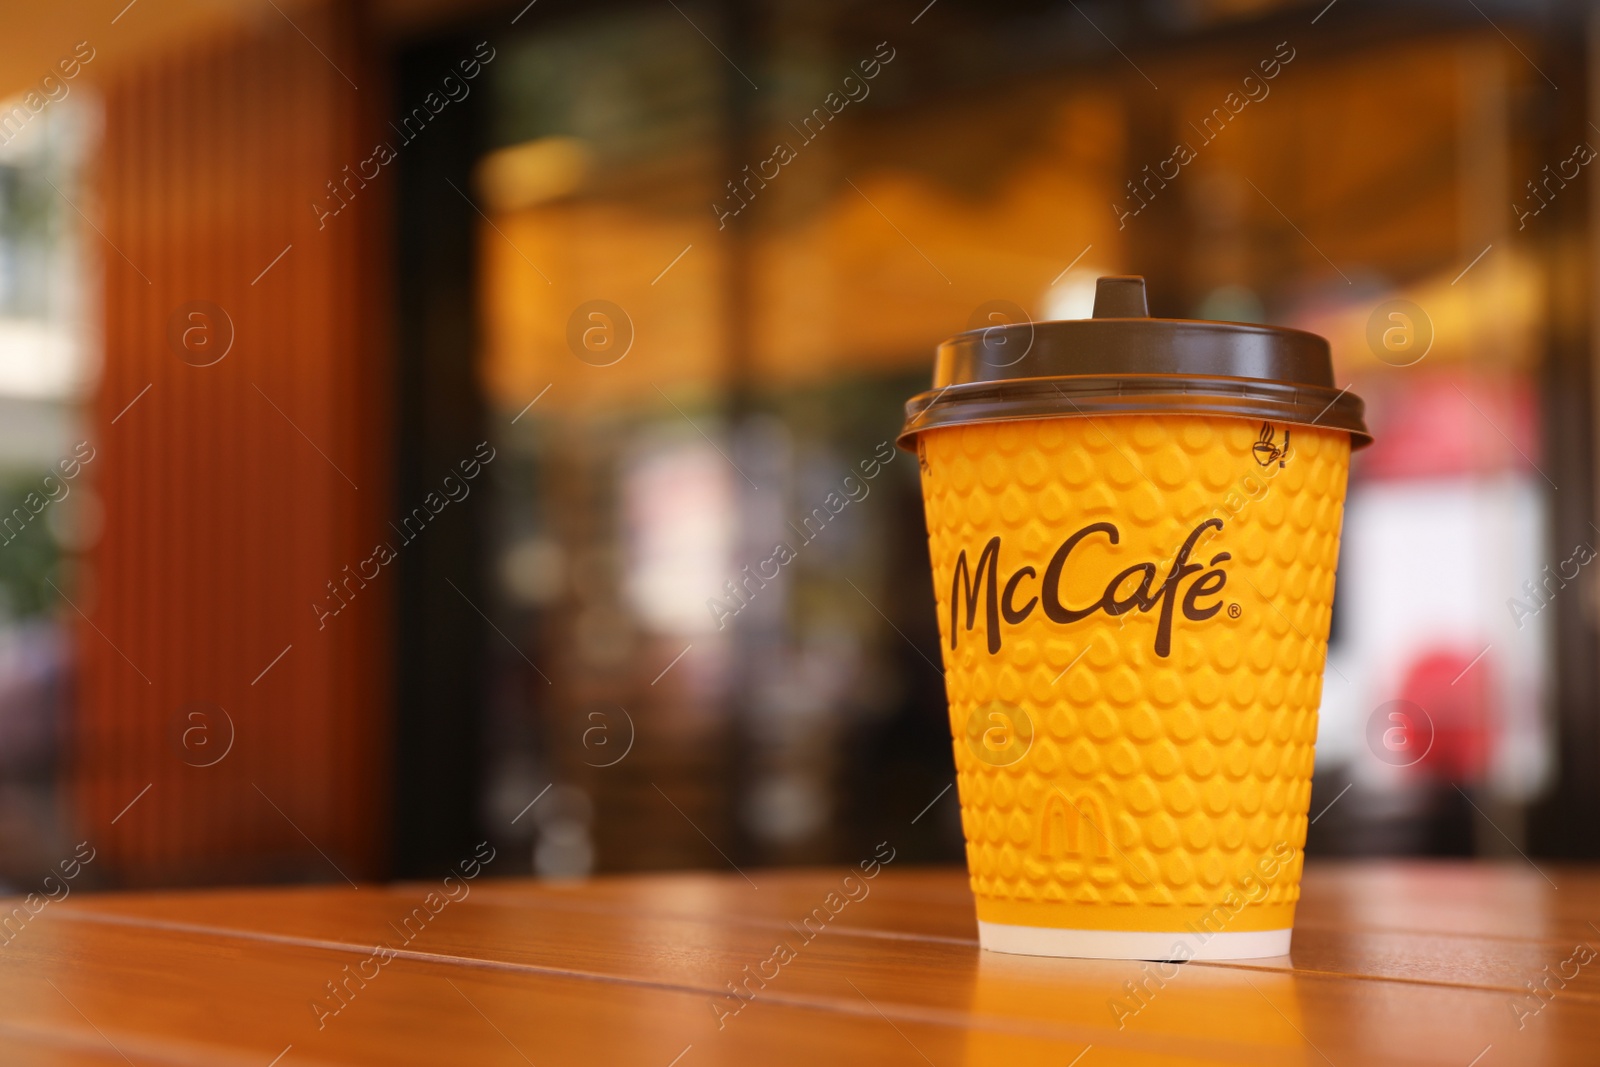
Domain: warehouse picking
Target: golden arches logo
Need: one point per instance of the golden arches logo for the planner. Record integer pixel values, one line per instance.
(1074, 827)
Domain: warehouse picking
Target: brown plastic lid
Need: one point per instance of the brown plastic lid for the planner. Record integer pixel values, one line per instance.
(1123, 362)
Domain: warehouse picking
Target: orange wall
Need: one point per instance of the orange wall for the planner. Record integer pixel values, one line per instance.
(234, 492)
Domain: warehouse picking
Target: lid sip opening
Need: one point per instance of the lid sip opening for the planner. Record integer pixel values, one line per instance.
(1120, 296)
(1123, 362)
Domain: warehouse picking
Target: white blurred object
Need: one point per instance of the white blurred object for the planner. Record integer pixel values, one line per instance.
(566, 847)
(787, 809)
(564, 851)
(47, 351)
(678, 525)
(1071, 297)
(1429, 564)
(40, 360)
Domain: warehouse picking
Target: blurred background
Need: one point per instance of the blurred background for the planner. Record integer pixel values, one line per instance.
(402, 402)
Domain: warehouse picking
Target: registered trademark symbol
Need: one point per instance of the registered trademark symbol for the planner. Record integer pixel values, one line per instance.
(1234, 611)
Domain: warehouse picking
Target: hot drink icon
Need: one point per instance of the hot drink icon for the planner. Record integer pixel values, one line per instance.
(1266, 451)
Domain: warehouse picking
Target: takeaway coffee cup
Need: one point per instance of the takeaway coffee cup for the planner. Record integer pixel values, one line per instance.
(1134, 527)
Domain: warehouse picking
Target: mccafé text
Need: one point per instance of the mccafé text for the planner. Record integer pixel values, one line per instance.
(1118, 598)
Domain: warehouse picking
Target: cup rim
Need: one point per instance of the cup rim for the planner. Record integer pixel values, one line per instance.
(1017, 399)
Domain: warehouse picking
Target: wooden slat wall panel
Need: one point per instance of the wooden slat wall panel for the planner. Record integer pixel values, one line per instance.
(225, 517)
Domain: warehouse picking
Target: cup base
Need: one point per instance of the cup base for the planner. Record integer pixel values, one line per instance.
(1131, 944)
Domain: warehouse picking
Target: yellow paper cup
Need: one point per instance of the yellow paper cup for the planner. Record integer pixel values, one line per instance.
(1133, 611)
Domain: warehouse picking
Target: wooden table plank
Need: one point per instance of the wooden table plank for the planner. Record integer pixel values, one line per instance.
(672, 939)
(899, 957)
(176, 997)
(76, 1048)
(897, 908)
(1500, 899)
(1510, 899)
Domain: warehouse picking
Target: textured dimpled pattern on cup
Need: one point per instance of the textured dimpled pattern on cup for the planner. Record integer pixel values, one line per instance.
(1135, 758)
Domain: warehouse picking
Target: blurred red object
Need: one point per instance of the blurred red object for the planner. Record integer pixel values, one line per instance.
(1456, 690)
(1450, 422)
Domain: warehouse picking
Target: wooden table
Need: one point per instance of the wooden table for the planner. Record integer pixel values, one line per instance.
(1393, 963)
